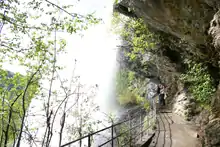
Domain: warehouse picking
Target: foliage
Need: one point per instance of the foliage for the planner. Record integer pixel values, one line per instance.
(137, 42)
(130, 89)
(12, 90)
(116, 1)
(135, 32)
(83, 124)
(149, 123)
(122, 87)
(28, 31)
(146, 105)
(123, 139)
(200, 81)
(125, 95)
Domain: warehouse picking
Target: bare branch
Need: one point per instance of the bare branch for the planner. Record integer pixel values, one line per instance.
(71, 14)
(48, 133)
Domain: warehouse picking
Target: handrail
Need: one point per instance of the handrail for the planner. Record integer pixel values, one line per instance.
(137, 134)
(106, 128)
(123, 133)
(93, 133)
(112, 132)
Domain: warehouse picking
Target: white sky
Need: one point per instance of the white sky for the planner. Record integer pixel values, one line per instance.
(94, 52)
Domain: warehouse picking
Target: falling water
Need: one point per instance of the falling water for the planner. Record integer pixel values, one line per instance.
(96, 63)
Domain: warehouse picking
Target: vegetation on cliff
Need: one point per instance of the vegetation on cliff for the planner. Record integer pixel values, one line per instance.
(130, 89)
(199, 82)
(138, 40)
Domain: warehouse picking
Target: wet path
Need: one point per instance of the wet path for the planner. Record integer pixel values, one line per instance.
(173, 131)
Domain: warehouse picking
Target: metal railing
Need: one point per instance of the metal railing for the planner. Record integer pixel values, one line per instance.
(114, 136)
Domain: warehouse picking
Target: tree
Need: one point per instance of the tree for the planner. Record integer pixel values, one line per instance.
(84, 122)
(29, 32)
(13, 89)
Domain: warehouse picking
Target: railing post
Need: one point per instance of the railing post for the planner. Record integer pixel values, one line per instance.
(112, 135)
(89, 140)
(141, 125)
(130, 125)
(155, 111)
(147, 124)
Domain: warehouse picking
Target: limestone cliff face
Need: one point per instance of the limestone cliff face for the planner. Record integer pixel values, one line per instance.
(188, 29)
(185, 32)
(188, 19)
(214, 29)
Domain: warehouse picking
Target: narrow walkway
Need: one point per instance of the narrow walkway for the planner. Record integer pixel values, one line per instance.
(173, 131)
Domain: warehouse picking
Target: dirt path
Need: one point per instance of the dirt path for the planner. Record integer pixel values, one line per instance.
(173, 131)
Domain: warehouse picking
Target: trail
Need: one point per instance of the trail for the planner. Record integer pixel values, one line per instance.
(174, 131)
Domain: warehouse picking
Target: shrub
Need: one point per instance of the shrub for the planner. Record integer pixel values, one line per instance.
(200, 82)
(129, 89)
(127, 97)
(139, 39)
